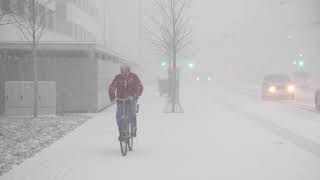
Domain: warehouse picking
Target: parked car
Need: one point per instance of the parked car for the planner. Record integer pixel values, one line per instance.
(278, 86)
(317, 99)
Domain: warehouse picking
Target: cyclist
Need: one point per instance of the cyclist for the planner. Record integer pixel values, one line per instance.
(126, 85)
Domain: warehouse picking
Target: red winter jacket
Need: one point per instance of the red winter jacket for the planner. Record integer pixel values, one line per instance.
(125, 86)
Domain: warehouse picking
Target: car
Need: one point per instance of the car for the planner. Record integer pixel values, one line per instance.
(317, 99)
(278, 86)
(203, 78)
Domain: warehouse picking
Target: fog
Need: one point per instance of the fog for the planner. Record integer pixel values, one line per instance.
(159, 89)
(249, 37)
(255, 37)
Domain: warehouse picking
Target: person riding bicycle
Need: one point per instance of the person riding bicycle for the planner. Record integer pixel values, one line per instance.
(126, 85)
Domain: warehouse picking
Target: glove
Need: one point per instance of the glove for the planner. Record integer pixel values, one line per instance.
(135, 98)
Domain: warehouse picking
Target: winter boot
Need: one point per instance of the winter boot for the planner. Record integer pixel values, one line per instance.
(134, 132)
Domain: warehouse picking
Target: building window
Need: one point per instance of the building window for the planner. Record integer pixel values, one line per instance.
(21, 8)
(87, 7)
(50, 21)
(78, 32)
(5, 5)
(83, 35)
(74, 31)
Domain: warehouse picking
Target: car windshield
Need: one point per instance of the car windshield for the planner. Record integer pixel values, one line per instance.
(277, 78)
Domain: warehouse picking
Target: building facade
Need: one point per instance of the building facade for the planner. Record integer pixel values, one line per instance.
(70, 20)
(74, 52)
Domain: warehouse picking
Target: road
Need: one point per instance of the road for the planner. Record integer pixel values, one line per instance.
(223, 135)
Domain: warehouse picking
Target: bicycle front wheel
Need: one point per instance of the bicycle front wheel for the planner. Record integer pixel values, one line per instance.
(130, 139)
(124, 147)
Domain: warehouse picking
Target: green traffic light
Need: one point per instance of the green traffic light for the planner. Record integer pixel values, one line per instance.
(301, 63)
(191, 65)
(163, 64)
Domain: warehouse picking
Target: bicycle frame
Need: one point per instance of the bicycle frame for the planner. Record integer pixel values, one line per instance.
(124, 115)
(125, 127)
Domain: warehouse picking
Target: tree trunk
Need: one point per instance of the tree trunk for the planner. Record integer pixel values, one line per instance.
(175, 102)
(35, 83)
(35, 65)
(174, 82)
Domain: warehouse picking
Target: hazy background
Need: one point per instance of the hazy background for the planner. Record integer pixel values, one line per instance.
(241, 38)
(232, 38)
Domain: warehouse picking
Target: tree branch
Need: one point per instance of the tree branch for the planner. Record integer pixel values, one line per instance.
(34, 24)
(172, 32)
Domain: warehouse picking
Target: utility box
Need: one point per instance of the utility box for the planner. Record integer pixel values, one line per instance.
(19, 98)
(164, 86)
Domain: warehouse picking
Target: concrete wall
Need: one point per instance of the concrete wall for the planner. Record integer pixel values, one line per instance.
(106, 72)
(19, 98)
(76, 85)
(2, 93)
(75, 78)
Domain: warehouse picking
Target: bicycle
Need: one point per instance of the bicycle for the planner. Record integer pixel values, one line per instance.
(126, 128)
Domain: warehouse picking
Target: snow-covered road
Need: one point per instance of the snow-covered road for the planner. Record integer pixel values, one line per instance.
(222, 135)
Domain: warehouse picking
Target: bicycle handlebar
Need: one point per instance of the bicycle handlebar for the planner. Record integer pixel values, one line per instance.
(121, 99)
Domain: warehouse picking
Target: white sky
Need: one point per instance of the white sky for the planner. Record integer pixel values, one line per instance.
(235, 34)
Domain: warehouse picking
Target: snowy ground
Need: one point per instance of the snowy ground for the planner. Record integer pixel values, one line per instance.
(23, 137)
(223, 135)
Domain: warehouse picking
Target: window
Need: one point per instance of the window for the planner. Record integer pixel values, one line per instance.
(50, 21)
(5, 5)
(74, 31)
(21, 8)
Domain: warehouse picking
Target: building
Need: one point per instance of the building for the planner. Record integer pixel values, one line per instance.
(73, 52)
(82, 72)
(70, 20)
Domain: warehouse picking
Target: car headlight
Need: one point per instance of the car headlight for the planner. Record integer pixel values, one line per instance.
(272, 89)
(291, 88)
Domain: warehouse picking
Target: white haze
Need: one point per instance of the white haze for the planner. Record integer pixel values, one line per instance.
(228, 130)
(252, 37)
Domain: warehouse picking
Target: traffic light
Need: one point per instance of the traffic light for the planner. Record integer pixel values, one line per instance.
(301, 63)
(191, 65)
(163, 64)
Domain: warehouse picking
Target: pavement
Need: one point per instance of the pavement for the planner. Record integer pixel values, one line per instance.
(222, 135)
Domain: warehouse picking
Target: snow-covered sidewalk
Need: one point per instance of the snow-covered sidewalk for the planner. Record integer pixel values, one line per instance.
(210, 141)
(23, 137)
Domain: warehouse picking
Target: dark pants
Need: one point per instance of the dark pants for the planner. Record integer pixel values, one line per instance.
(131, 108)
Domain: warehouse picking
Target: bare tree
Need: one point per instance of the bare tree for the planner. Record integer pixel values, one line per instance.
(171, 34)
(32, 26)
(7, 13)
(3, 17)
